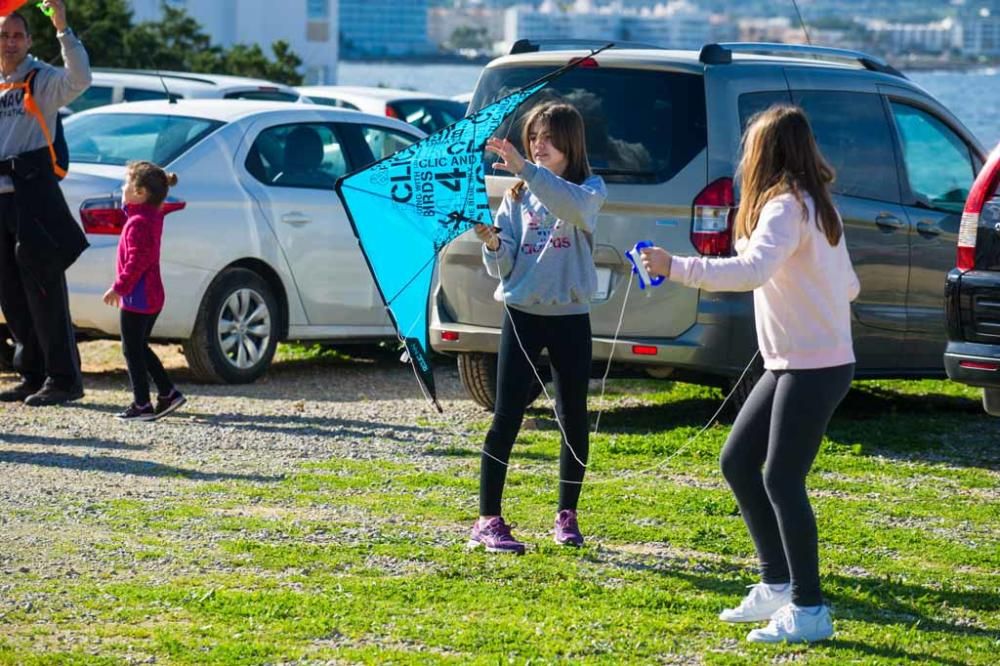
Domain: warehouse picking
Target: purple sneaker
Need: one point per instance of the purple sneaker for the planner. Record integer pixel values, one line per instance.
(567, 530)
(495, 537)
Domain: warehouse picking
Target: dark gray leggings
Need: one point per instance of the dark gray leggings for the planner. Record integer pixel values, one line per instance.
(779, 429)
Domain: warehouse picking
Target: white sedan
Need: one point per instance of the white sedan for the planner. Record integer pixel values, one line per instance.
(257, 247)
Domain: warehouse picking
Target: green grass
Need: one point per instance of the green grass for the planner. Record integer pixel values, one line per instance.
(362, 562)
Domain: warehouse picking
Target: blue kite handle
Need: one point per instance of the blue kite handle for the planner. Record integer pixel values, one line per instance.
(638, 269)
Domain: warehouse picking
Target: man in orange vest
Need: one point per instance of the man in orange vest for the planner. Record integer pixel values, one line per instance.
(39, 238)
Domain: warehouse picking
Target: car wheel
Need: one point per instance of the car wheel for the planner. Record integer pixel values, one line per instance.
(991, 401)
(236, 332)
(478, 373)
(6, 349)
(741, 389)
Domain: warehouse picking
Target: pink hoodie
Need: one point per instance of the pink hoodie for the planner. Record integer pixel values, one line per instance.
(802, 287)
(138, 267)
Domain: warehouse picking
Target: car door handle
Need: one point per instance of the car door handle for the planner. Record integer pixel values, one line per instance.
(295, 219)
(928, 229)
(889, 222)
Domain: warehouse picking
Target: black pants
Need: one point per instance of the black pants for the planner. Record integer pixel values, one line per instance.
(36, 307)
(567, 339)
(780, 429)
(142, 362)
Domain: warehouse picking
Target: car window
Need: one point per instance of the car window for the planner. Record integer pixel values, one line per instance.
(854, 135)
(141, 94)
(384, 142)
(305, 155)
(642, 126)
(939, 165)
(753, 103)
(430, 115)
(263, 95)
(93, 96)
(330, 101)
(119, 138)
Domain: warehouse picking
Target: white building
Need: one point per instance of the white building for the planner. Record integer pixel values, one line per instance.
(677, 25)
(937, 37)
(981, 29)
(309, 26)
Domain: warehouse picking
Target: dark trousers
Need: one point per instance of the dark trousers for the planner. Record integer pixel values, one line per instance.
(35, 305)
(780, 429)
(567, 339)
(140, 359)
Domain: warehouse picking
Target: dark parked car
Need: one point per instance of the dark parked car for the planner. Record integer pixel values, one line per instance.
(972, 291)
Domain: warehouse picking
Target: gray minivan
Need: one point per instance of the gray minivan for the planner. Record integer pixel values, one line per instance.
(663, 130)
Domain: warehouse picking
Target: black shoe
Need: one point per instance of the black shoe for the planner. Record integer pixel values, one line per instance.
(50, 394)
(20, 392)
(136, 413)
(168, 403)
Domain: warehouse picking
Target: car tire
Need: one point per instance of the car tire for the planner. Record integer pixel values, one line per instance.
(6, 349)
(478, 373)
(236, 331)
(991, 401)
(741, 388)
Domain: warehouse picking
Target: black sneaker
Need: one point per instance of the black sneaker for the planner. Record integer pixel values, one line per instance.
(20, 392)
(136, 413)
(165, 404)
(50, 394)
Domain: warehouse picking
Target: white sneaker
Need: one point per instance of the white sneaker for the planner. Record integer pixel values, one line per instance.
(793, 624)
(760, 604)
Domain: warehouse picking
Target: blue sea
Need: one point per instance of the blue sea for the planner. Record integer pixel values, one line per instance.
(973, 96)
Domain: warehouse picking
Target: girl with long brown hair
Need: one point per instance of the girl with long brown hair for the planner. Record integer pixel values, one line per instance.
(793, 256)
(543, 257)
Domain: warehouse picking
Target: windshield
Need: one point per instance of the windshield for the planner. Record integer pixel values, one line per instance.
(120, 138)
(430, 115)
(643, 126)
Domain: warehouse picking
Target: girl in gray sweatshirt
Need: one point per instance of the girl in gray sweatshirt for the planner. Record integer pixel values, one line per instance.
(543, 257)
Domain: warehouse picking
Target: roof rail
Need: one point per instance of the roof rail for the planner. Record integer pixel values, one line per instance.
(534, 45)
(722, 54)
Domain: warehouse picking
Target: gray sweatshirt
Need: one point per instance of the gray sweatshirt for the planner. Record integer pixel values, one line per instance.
(54, 87)
(546, 256)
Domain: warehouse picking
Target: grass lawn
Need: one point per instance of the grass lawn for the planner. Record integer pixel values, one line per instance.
(348, 561)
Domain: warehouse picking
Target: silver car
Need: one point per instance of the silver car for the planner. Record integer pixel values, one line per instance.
(257, 247)
(663, 129)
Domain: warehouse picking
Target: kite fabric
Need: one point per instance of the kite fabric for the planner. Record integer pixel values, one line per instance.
(405, 208)
(9, 6)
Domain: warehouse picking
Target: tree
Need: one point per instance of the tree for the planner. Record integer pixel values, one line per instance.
(176, 42)
(469, 37)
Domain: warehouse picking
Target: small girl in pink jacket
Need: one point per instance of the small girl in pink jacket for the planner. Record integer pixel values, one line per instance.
(138, 289)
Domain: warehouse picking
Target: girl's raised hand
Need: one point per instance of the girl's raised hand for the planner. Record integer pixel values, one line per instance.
(488, 235)
(656, 261)
(511, 160)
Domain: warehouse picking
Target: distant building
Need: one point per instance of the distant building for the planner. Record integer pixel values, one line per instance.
(442, 22)
(677, 25)
(384, 28)
(981, 28)
(938, 37)
(309, 26)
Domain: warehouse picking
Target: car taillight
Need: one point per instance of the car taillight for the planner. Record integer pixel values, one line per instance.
(391, 112)
(105, 216)
(712, 219)
(102, 216)
(982, 190)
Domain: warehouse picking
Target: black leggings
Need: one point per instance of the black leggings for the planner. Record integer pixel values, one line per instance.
(567, 339)
(139, 358)
(780, 428)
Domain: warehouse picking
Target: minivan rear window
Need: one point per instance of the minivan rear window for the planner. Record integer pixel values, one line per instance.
(642, 126)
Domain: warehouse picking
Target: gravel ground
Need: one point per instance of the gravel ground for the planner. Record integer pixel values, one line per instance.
(63, 460)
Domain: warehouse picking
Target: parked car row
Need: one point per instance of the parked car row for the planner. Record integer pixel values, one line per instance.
(259, 248)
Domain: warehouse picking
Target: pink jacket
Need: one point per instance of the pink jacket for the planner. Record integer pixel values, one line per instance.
(138, 279)
(802, 287)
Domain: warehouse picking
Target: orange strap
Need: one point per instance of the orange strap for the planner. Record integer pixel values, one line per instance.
(31, 107)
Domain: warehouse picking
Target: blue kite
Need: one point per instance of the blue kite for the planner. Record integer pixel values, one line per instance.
(405, 208)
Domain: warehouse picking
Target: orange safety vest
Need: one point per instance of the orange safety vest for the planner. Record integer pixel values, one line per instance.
(31, 107)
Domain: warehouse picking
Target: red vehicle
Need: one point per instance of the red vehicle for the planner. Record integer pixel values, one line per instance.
(972, 291)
